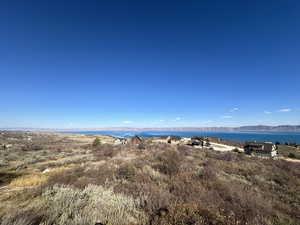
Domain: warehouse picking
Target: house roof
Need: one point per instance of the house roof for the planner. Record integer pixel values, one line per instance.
(259, 146)
(136, 138)
(199, 138)
(174, 138)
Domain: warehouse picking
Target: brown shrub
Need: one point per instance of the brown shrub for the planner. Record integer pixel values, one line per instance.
(7, 177)
(154, 198)
(105, 151)
(126, 172)
(67, 177)
(208, 172)
(227, 156)
(32, 147)
(187, 214)
(185, 187)
(168, 162)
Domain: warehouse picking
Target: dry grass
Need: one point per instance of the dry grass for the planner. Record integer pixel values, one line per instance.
(29, 180)
(158, 184)
(62, 205)
(59, 170)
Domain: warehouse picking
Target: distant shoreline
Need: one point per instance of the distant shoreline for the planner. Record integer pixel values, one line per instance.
(238, 136)
(258, 128)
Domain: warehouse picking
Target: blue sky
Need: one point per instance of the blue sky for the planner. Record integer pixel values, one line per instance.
(75, 64)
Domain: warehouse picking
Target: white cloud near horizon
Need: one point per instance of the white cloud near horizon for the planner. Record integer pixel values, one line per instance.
(226, 117)
(127, 121)
(178, 118)
(285, 110)
(267, 112)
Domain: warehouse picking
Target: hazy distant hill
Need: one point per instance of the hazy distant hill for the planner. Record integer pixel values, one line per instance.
(286, 128)
(269, 128)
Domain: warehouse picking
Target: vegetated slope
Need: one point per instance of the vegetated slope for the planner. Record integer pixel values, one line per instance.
(151, 184)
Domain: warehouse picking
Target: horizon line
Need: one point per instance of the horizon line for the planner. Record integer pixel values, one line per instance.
(140, 128)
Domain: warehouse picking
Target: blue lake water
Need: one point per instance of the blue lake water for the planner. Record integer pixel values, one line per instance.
(281, 137)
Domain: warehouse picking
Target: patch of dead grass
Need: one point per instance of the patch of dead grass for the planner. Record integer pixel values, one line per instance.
(29, 180)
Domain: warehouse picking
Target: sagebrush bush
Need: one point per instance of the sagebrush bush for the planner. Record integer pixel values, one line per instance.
(185, 214)
(92, 204)
(168, 162)
(60, 205)
(105, 151)
(126, 172)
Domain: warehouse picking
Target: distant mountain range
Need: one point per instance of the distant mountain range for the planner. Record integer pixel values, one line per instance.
(269, 128)
(286, 128)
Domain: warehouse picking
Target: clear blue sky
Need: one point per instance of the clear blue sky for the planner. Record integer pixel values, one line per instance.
(149, 63)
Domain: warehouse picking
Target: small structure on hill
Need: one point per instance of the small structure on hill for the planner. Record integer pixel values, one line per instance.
(175, 139)
(136, 140)
(5, 146)
(197, 141)
(260, 149)
(185, 140)
(121, 141)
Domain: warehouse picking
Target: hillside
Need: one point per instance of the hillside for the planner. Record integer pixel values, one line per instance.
(49, 178)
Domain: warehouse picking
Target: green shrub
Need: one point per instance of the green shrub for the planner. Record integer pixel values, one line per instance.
(292, 155)
(207, 144)
(236, 150)
(96, 142)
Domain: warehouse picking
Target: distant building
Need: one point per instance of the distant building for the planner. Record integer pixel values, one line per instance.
(185, 140)
(260, 149)
(198, 141)
(175, 139)
(5, 146)
(124, 141)
(120, 141)
(136, 140)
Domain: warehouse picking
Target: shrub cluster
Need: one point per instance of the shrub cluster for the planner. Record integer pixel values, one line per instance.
(164, 185)
(62, 205)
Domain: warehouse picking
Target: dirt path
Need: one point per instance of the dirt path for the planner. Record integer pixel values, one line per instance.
(223, 148)
(291, 160)
(10, 189)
